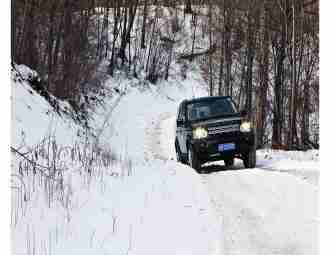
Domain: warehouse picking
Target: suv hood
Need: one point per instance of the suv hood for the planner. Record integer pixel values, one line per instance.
(218, 121)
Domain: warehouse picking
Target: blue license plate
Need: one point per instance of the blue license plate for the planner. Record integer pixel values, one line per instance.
(226, 147)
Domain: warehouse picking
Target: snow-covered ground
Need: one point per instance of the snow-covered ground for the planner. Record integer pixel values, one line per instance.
(139, 204)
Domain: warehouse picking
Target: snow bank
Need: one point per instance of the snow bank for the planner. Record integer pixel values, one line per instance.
(302, 164)
(33, 118)
(152, 211)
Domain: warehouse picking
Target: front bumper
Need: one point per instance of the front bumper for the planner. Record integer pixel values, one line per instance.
(207, 148)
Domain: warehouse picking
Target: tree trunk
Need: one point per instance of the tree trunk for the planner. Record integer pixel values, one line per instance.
(143, 32)
(228, 53)
(263, 86)
(250, 57)
(188, 9)
(278, 99)
(126, 35)
(292, 127)
(210, 54)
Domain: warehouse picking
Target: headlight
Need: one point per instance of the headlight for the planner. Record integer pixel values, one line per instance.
(245, 127)
(199, 133)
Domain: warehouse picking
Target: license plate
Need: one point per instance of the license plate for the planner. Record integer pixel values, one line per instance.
(226, 147)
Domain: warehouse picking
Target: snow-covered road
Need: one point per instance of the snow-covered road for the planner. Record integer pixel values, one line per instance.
(272, 209)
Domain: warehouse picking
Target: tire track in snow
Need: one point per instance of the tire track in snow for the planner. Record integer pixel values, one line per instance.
(160, 145)
(154, 131)
(311, 177)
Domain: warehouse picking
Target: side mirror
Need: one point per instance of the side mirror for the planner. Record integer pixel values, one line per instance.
(243, 113)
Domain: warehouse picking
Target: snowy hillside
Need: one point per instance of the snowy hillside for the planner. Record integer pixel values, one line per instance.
(33, 118)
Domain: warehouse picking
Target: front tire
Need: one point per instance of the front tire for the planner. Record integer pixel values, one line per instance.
(250, 159)
(193, 160)
(178, 152)
(229, 162)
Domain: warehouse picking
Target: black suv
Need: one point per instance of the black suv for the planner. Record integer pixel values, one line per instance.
(211, 129)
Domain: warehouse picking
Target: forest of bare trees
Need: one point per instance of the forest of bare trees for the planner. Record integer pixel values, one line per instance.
(263, 53)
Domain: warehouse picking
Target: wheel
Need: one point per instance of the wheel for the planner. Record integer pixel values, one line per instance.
(229, 162)
(178, 152)
(250, 158)
(193, 160)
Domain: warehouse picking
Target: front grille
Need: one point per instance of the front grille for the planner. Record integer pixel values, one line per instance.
(222, 129)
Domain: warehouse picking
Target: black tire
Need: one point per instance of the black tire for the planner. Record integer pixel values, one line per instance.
(250, 159)
(193, 160)
(178, 152)
(229, 162)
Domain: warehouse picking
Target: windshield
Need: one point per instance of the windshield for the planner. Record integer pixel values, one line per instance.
(210, 108)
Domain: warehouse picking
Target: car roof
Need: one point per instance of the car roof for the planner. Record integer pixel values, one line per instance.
(200, 99)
